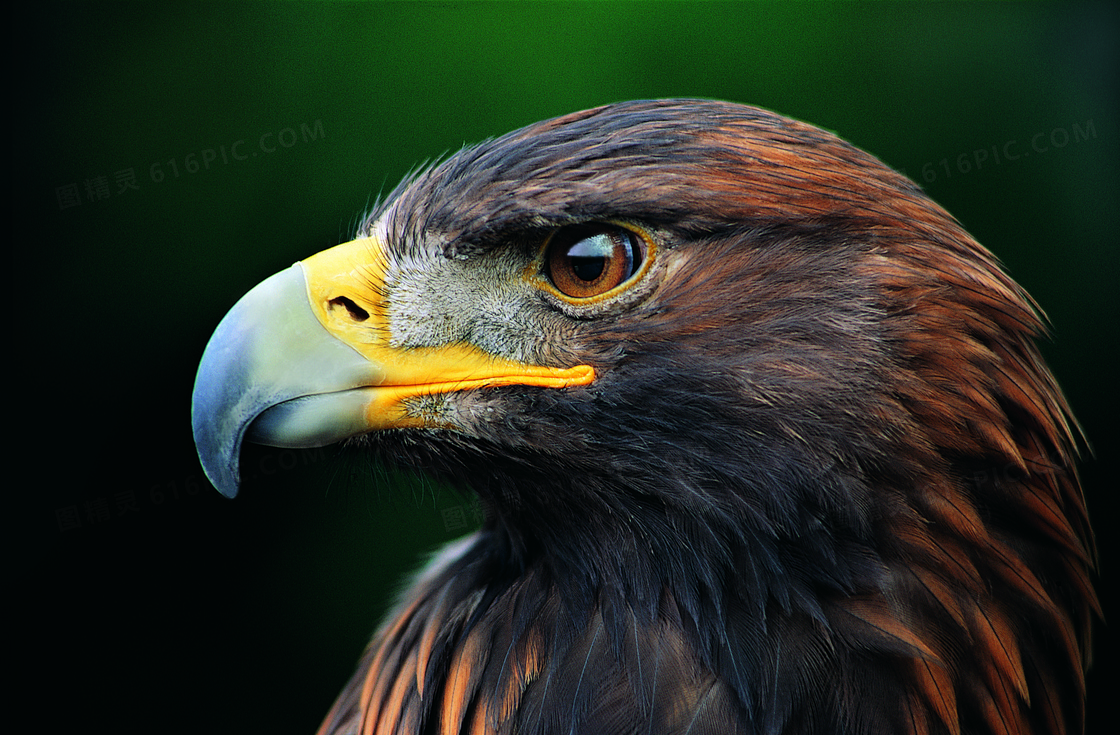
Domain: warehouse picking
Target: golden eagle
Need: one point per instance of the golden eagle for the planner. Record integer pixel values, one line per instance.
(762, 434)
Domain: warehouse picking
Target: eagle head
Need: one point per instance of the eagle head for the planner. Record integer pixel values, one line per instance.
(762, 434)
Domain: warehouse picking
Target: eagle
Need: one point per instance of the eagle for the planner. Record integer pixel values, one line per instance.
(763, 437)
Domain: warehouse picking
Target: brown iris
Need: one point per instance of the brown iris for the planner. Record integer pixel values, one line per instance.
(588, 261)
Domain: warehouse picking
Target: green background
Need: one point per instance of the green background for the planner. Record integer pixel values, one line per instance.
(153, 604)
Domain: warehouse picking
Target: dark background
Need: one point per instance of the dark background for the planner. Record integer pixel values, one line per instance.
(170, 156)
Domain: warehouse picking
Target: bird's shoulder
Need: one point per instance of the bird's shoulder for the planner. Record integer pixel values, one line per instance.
(465, 652)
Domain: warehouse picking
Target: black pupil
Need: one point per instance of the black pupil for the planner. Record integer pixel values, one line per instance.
(588, 269)
(589, 256)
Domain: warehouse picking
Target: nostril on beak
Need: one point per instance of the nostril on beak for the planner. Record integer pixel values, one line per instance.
(356, 312)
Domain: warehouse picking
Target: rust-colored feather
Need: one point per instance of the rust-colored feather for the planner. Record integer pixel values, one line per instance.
(462, 681)
(936, 690)
(885, 626)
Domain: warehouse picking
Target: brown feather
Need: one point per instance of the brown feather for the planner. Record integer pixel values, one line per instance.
(936, 691)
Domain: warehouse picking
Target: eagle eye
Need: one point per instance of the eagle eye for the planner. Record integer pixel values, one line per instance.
(588, 261)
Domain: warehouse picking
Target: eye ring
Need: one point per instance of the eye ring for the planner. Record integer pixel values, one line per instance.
(589, 260)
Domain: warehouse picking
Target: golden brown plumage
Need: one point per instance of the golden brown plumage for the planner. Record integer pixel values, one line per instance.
(798, 469)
